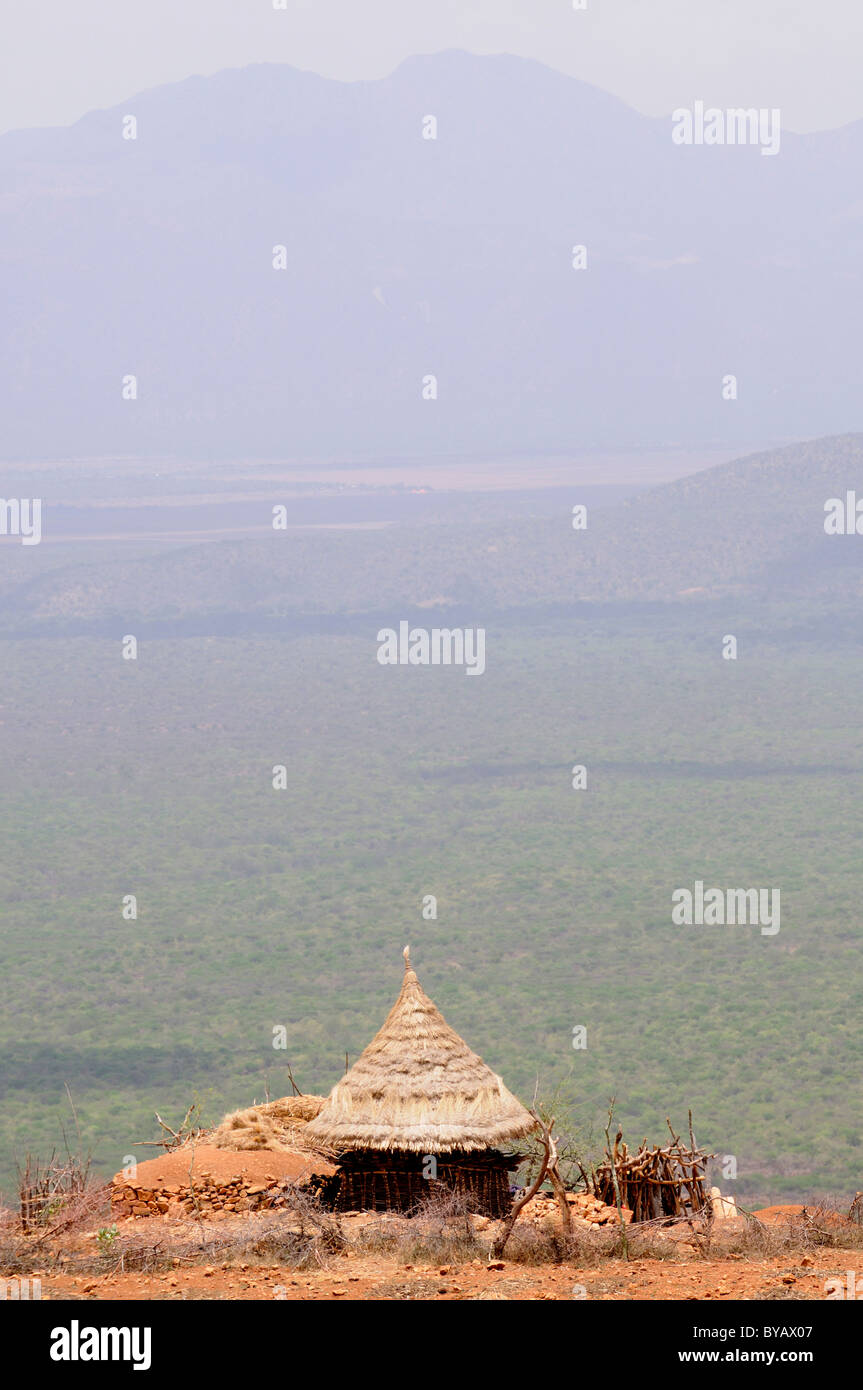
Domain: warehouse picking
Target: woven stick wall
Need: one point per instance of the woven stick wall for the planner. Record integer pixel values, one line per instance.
(373, 1181)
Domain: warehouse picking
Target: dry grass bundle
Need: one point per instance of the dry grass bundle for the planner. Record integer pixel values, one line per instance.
(418, 1088)
(277, 1126)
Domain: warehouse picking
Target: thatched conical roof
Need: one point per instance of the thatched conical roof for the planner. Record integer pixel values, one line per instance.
(418, 1087)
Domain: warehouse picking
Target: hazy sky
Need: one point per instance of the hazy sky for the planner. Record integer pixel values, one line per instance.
(62, 58)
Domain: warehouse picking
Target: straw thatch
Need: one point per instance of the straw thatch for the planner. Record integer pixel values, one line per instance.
(279, 1126)
(418, 1088)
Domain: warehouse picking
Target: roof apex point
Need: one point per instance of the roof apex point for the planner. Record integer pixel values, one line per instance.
(407, 955)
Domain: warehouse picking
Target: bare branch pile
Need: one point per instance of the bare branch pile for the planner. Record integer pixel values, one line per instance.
(654, 1182)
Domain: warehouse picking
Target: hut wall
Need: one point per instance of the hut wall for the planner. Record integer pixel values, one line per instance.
(395, 1182)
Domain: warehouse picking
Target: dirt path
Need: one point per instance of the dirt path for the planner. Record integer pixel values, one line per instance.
(355, 1277)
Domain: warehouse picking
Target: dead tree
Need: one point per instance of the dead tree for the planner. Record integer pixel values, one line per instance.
(549, 1155)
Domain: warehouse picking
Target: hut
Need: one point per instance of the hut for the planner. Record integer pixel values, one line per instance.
(417, 1108)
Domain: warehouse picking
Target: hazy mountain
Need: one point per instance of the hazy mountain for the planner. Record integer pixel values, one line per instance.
(408, 256)
(753, 527)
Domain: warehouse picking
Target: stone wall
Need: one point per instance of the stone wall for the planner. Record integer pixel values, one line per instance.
(209, 1197)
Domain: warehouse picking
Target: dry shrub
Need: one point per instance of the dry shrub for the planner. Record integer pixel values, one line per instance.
(307, 1234)
(388, 1234)
(81, 1211)
(17, 1256)
(645, 1241)
(442, 1230)
(827, 1226)
(758, 1239)
(190, 1130)
(822, 1226)
(45, 1188)
(547, 1244)
(303, 1235)
(438, 1231)
(59, 1196)
(24, 1251)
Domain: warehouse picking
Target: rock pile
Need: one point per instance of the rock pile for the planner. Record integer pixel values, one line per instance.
(208, 1197)
(588, 1212)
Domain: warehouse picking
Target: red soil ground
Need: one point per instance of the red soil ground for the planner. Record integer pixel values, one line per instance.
(789, 1271)
(779, 1213)
(354, 1277)
(223, 1164)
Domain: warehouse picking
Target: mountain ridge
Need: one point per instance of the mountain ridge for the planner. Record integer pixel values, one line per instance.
(406, 257)
(751, 527)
